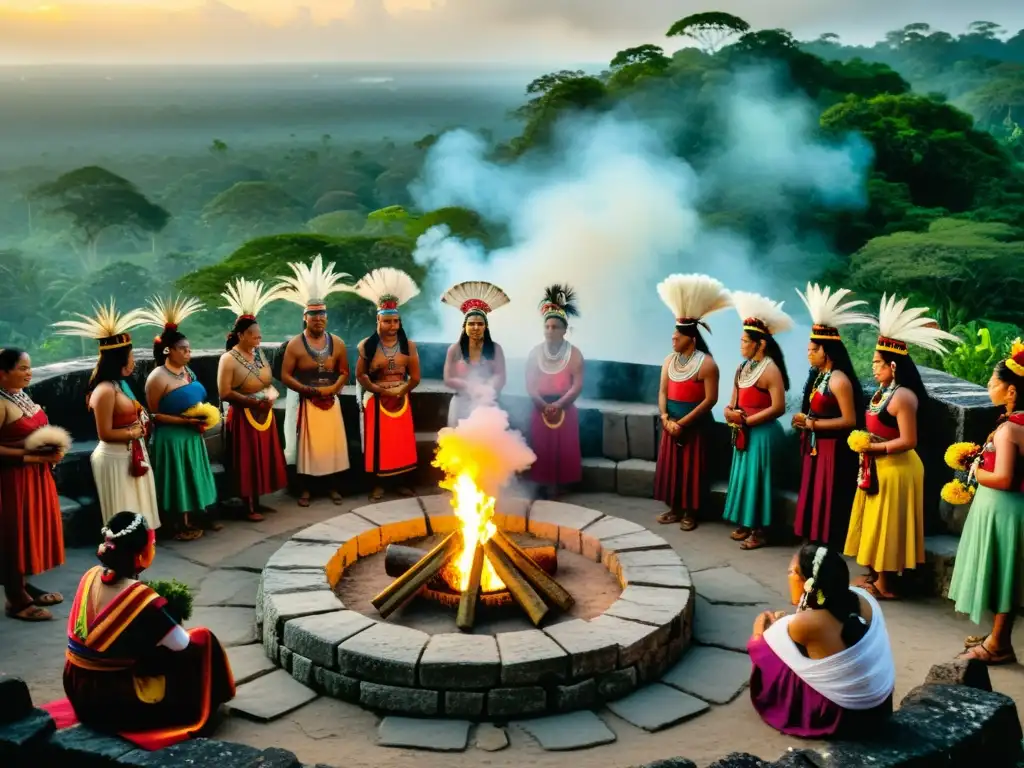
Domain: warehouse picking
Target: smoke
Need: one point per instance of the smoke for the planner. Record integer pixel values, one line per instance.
(611, 210)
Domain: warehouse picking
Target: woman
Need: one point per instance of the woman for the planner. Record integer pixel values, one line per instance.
(833, 405)
(758, 400)
(688, 392)
(131, 668)
(989, 571)
(120, 463)
(827, 670)
(554, 379)
(887, 520)
(31, 530)
(245, 382)
(184, 480)
(475, 366)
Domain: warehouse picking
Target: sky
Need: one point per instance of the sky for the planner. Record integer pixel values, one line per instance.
(506, 31)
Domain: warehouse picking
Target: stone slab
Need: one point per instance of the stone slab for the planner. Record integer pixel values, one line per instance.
(516, 702)
(724, 626)
(392, 698)
(354, 535)
(455, 660)
(232, 626)
(384, 653)
(276, 582)
(635, 477)
(674, 576)
(573, 730)
(598, 474)
(26, 733)
(490, 738)
(656, 707)
(590, 652)
(278, 610)
(270, 697)
(399, 520)
(83, 747)
(512, 512)
(15, 700)
(205, 752)
(644, 559)
(631, 542)
(730, 587)
(318, 637)
(439, 513)
(531, 657)
(642, 432)
(249, 662)
(633, 639)
(658, 606)
(560, 522)
(712, 674)
(229, 588)
(302, 555)
(415, 733)
(464, 703)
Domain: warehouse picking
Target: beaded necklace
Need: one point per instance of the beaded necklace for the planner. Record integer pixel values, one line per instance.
(881, 398)
(684, 369)
(19, 399)
(555, 363)
(750, 372)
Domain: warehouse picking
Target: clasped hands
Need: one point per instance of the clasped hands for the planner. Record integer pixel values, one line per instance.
(670, 425)
(551, 411)
(765, 619)
(735, 416)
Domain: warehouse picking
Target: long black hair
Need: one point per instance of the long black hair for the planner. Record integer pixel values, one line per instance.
(836, 352)
(907, 375)
(166, 340)
(693, 332)
(110, 366)
(242, 325)
(1002, 371)
(772, 350)
(487, 353)
(831, 591)
(118, 553)
(371, 344)
(9, 358)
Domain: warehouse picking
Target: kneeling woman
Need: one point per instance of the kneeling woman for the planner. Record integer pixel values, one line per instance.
(131, 668)
(826, 670)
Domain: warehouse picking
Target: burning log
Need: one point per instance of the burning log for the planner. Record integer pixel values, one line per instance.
(551, 589)
(399, 558)
(402, 589)
(467, 602)
(521, 590)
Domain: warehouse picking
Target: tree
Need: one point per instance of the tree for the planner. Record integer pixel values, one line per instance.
(218, 149)
(998, 99)
(565, 96)
(250, 207)
(632, 64)
(540, 86)
(709, 30)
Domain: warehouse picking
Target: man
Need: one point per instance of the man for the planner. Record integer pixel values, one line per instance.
(315, 368)
(387, 370)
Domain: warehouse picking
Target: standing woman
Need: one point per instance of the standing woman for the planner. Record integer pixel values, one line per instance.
(31, 533)
(688, 392)
(758, 400)
(120, 464)
(184, 479)
(833, 405)
(474, 366)
(554, 379)
(989, 571)
(887, 522)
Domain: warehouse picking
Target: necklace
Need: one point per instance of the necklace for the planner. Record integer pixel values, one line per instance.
(750, 372)
(881, 398)
(390, 352)
(821, 383)
(19, 399)
(684, 369)
(556, 362)
(180, 375)
(254, 366)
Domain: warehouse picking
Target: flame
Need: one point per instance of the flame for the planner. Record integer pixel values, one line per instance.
(475, 511)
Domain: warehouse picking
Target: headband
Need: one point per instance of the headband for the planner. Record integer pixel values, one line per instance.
(756, 325)
(825, 333)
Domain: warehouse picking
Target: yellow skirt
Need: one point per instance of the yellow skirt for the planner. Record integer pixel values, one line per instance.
(887, 528)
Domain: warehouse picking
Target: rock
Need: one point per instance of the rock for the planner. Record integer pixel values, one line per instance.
(270, 697)
(275, 757)
(433, 735)
(490, 738)
(206, 752)
(83, 747)
(712, 674)
(668, 762)
(575, 730)
(27, 733)
(741, 760)
(970, 672)
(15, 700)
(730, 587)
(582, 695)
(656, 707)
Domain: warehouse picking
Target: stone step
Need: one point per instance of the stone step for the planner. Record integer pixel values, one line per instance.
(940, 556)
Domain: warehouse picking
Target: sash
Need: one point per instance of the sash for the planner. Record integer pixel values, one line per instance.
(88, 645)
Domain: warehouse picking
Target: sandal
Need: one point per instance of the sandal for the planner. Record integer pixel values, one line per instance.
(255, 517)
(668, 517)
(337, 498)
(688, 523)
(30, 612)
(972, 640)
(753, 542)
(987, 657)
(188, 534)
(740, 534)
(376, 494)
(304, 500)
(872, 589)
(42, 598)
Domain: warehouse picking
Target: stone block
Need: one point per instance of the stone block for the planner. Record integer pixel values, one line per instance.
(574, 730)
(642, 559)
(407, 701)
(284, 657)
(512, 512)
(590, 652)
(656, 707)
(581, 695)
(249, 662)
(318, 637)
(615, 685)
(672, 576)
(516, 702)
(83, 747)
(560, 522)
(28, 733)
(970, 672)
(490, 738)
(615, 438)
(230, 588)
(464, 703)
(232, 626)
(635, 477)
(399, 520)
(299, 555)
(278, 610)
(355, 536)
(456, 660)
(270, 697)
(531, 657)
(598, 475)
(940, 557)
(302, 669)
(15, 700)
(641, 430)
(631, 542)
(731, 587)
(223, 754)
(384, 653)
(605, 528)
(658, 606)
(634, 640)
(712, 674)
(431, 735)
(335, 685)
(725, 626)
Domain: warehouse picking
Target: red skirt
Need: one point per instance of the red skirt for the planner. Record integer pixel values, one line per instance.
(390, 437)
(254, 452)
(31, 528)
(683, 479)
(828, 484)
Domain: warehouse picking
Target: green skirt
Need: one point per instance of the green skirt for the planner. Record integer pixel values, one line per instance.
(748, 502)
(988, 574)
(181, 465)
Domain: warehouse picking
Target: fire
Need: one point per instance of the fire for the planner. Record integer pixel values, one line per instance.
(475, 511)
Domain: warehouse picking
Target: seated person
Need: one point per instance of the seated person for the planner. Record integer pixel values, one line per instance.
(131, 668)
(826, 670)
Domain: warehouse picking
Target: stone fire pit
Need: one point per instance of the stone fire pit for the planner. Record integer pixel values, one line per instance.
(385, 666)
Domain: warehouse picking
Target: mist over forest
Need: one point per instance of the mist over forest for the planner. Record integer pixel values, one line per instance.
(763, 160)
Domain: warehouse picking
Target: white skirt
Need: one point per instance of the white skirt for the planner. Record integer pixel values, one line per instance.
(117, 489)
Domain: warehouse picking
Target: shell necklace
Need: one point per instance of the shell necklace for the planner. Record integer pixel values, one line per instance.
(684, 369)
(555, 363)
(750, 372)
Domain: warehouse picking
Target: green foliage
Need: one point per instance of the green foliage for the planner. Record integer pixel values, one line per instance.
(336, 200)
(709, 29)
(178, 596)
(338, 223)
(461, 222)
(984, 345)
(563, 96)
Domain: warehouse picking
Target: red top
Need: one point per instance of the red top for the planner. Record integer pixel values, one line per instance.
(752, 400)
(876, 424)
(988, 460)
(554, 383)
(23, 427)
(825, 406)
(689, 391)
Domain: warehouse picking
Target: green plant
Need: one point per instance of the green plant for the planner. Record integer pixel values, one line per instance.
(178, 597)
(974, 362)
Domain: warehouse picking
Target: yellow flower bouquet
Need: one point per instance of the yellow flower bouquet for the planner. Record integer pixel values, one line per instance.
(859, 440)
(956, 493)
(209, 413)
(960, 455)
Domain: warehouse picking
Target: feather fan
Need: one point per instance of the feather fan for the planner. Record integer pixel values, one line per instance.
(249, 297)
(170, 313)
(105, 323)
(387, 283)
(312, 281)
(895, 321)
(475, 291)
(48, 438)
(826, 307)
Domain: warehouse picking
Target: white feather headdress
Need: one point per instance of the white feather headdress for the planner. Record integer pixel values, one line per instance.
(310, 285)
(247, 298)
(388, 288)
(829, 312)
(693, 297)
(760, 313)
(108, 326)
(475, 297)
(169, 314)
(899, 326)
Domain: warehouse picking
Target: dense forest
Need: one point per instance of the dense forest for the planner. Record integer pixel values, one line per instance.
(942, 217)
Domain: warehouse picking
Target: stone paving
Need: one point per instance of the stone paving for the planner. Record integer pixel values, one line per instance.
(657, 721)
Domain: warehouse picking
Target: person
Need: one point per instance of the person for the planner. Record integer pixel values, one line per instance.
(475, 365)
(554, 380)
(758, 400)
(31, 528)
(131, 669)
(315, 369)
(387, 370)
(989, 571)
(185, 487)
(832, 406)
(886, 531)
(245, 383)
(120, 463)
(826, 670)
(688, 392)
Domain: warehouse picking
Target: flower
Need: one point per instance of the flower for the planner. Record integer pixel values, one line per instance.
(208, 412)
(859, 440)
(960, 455)
(956, 493)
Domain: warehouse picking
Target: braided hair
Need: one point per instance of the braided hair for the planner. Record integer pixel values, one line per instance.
(828, 588)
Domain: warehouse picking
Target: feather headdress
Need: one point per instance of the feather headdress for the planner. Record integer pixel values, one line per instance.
(475, 297)
(108, 326)
(388, 288)
(829, 312)
(310, 285)
(169, 314)
(761, 314)
(1015, 362)
(691, 298)
(899, 326)
(559, 301)
(247, 298)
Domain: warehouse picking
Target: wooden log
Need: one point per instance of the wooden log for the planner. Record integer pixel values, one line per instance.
(399, 558)
(551, 589)
(520, 589)
(466, 614)
(402, 589)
